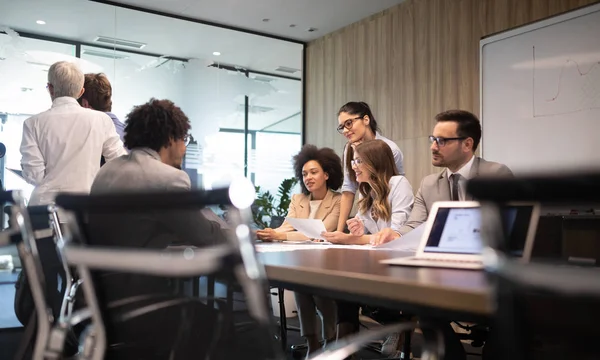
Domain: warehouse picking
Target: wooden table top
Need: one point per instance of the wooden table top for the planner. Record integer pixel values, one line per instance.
(359, 273)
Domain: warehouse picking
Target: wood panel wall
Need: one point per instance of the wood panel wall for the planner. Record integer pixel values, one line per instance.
(409, 63)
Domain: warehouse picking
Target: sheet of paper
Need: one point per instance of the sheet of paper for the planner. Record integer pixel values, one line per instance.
(408, 242)
(311, 228)
(284, 246)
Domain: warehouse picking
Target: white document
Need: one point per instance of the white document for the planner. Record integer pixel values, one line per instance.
(408, 242)
(311, 228)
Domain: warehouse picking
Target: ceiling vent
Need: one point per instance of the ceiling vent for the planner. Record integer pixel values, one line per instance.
(104, 54)
(119, 42)
(286, 69)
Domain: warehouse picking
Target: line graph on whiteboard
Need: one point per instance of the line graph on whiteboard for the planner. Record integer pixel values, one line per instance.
(565, 85)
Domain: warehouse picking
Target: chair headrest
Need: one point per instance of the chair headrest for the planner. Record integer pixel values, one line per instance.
(125, 202)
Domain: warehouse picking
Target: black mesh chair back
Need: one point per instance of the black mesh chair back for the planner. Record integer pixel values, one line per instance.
(543, 311)
(122, 238)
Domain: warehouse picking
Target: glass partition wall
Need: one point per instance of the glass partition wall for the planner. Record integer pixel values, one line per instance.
(242, 92)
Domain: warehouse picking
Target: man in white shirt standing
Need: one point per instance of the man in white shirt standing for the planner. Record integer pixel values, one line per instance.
(61, 147)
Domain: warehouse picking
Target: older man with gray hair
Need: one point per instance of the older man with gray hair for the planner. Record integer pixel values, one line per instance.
(61, 147)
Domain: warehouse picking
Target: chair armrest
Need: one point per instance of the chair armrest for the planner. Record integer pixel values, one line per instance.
(432, 349)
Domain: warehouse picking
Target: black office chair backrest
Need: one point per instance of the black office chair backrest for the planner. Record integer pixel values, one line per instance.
(542, 310)
(102, 268)
(24, 237)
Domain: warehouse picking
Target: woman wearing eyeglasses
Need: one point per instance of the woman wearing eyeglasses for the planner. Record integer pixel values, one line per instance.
(320, 174)
(357, 124)
(386, 200)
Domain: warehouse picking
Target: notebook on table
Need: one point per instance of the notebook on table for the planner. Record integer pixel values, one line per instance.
(452, 235)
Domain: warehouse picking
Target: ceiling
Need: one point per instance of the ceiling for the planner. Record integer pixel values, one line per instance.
(323, 15)
(86, 20)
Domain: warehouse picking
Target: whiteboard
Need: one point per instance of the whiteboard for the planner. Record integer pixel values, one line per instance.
(540, 94)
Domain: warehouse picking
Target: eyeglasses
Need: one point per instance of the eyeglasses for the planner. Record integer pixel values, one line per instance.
(442, 141)
(186, 139)
(356, 162)
(347, 124)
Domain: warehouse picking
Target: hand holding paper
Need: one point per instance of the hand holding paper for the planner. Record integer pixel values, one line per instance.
(311, 228)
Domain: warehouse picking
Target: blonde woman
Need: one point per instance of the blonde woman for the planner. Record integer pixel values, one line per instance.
(386, 198)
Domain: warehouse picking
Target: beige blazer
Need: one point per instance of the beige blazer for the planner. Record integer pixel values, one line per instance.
(328, 211)
(435, 187)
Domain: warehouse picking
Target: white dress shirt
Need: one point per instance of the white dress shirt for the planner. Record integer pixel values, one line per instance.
(465, 174)
(401, 200)
(61, 149)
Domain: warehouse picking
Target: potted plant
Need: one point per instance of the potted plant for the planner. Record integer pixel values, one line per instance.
(269, 210)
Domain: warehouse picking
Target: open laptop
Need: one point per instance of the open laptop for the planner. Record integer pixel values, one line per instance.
(452, 235)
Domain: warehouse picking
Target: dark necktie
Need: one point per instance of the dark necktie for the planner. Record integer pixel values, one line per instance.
(454, 179)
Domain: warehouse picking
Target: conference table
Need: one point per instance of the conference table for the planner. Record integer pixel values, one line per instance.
(357, 275)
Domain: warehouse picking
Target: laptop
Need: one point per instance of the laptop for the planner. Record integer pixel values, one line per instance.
(452, 235)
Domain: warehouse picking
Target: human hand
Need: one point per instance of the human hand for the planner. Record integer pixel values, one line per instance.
(356, 226)
(384, 236)
(266, 234)
(336, 237)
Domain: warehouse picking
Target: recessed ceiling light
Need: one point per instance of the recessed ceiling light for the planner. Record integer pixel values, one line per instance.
(216, 53)
(40, 22)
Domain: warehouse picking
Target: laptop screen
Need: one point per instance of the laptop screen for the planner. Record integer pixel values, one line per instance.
(458, 230)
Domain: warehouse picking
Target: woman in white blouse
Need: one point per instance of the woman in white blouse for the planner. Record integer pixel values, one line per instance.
(320, 173)
(386, 198)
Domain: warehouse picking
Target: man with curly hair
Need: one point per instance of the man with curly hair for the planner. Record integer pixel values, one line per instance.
(156, 134)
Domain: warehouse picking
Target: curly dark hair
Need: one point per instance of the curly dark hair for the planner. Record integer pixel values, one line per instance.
(154, 124)
(329, 161)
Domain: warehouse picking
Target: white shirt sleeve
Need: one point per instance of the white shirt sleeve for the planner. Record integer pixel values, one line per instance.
(32, 160)
(401, 199)
(113, 146)
(348, 184)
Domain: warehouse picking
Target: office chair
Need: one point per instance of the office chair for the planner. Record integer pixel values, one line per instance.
(543, 310)
(59, 286)
(22, 233)
(234, 259)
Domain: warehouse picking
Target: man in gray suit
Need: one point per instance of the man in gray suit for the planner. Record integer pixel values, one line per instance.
(453, 144)
(156, 134)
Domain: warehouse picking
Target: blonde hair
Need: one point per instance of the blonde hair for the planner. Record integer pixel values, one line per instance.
(378, 159)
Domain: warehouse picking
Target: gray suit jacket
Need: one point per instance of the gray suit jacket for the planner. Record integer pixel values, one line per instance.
(435, 187)
(142, 170)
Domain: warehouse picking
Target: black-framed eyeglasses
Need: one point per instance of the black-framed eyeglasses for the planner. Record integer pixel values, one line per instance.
(356, 162)
(441, 141)
(347, 124)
